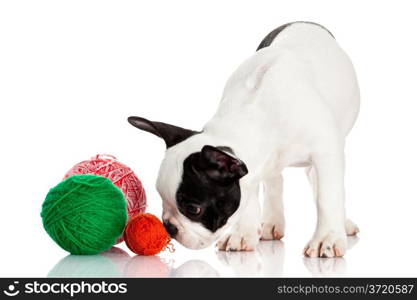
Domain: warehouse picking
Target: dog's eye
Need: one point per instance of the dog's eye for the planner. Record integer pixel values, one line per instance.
(193, 209)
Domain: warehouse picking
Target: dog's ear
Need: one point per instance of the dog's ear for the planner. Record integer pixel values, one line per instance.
(171, 134)
(221, 166)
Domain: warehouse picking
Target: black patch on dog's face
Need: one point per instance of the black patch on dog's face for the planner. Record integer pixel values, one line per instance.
(210, 192)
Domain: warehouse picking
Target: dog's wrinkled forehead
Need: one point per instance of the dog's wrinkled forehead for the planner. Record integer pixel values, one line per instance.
(209, 192)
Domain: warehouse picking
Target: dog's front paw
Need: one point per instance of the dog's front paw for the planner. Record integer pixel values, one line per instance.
(272, 231)
(329, 244)
(239, 241)
(351, 228)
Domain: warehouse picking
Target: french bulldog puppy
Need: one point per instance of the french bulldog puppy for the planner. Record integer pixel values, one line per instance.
(291, 104)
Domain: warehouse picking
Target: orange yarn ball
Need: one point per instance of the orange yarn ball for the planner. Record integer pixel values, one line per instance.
(146, 235)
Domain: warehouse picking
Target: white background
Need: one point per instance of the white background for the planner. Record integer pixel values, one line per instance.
(71, 72)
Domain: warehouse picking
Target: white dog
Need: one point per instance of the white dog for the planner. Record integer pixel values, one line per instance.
(291, 104)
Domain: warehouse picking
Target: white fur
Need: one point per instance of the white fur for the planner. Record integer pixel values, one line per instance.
(289, 104)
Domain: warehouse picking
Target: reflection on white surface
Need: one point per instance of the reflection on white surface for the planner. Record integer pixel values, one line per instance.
(107, 264)
(147, 266)
(266, 261)
(195, 268)
(112, 263)
(326, 267)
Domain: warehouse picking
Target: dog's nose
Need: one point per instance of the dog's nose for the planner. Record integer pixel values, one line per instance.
(171, 229)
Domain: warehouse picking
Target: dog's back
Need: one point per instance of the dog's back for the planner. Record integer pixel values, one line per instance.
(269, 39)
(298, 69)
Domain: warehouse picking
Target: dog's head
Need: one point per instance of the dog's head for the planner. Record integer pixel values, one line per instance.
(198, 183)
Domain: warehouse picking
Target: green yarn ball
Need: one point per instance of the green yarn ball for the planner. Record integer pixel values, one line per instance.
(84, 214)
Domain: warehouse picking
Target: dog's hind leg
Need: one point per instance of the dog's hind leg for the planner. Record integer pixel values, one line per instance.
(350, 227)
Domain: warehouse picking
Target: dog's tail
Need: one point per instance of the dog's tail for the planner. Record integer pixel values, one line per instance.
(267, 41)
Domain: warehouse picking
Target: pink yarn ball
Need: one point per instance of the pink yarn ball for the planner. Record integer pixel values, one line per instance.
(121, 176)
